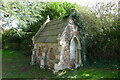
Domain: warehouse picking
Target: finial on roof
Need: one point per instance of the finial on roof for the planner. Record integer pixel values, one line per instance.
(47, 20)
(48, 17)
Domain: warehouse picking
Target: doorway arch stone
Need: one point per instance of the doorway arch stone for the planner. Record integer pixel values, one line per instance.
(75, 55)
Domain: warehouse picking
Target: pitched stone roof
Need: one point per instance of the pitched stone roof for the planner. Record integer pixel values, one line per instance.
(51, 31)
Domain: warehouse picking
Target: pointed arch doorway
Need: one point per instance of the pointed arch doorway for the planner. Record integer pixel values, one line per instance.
(74, 55)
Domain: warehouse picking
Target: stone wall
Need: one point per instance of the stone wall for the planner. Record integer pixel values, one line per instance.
(70, 32)
(46, 54)
(57, 55)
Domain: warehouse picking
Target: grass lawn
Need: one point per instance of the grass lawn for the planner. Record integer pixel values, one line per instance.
(91, 73)
(16, 65)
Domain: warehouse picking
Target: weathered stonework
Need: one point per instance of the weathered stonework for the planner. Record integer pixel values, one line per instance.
(56, 55)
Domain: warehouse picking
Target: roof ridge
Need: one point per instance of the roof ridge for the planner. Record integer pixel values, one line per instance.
(58, 25)
(56, 20)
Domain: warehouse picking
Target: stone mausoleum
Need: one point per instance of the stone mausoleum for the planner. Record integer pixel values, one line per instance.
(57, 45)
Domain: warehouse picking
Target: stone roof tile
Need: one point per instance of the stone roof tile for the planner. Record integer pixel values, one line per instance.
(51, 31)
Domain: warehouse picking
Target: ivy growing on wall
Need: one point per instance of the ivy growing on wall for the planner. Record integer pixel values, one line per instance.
(81, 28)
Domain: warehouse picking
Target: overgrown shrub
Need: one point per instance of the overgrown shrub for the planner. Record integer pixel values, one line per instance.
(99, 29)
(17, 40)
(104, 46)
(26, 44)
(11, 39)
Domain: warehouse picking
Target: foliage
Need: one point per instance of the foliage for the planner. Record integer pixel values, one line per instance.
(55, 10)
(10, 38)
(37, 15)
(30, 13)
(25, 12)
(105, 43)
(58, 10)
(26, 44)
(99, 31)
(17, 40)
(78, 21)
(98, 26)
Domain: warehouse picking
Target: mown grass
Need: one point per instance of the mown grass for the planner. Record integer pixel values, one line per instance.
(17, 65)
(91, 73)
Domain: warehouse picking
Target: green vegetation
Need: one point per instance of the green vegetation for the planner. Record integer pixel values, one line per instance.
(30, 18)
(98, 26)
(91, 73)
(16, 65)
(99, 35)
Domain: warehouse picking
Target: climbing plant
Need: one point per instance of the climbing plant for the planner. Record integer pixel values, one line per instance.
(81, 28)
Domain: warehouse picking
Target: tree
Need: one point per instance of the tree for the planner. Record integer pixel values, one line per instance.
(31, 15)
(25, 12)
(104, 44)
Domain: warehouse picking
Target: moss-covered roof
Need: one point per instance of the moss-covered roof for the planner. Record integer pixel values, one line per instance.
(51, 31)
